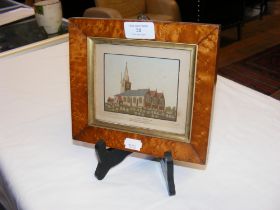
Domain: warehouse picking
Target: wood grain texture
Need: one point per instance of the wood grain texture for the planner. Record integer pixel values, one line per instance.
(204, 36)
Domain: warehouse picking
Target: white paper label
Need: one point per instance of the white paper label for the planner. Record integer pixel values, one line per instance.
(139, 30)
(133, 144)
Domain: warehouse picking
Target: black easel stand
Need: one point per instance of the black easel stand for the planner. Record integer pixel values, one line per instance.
(108, 158)
(168, 171)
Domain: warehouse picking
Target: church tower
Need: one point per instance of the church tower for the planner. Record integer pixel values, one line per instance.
(125, 83)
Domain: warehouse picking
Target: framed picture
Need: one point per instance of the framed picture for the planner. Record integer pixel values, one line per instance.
(154, 93)
(121, 96)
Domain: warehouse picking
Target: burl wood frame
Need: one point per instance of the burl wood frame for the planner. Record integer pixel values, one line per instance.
(205, 36)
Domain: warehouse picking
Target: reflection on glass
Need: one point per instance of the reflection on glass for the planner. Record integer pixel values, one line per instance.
(6, 5)
(23, 33)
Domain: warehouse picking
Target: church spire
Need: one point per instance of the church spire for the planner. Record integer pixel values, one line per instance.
(126, 76)
(125, 83)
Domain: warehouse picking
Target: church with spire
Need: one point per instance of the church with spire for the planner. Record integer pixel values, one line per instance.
(138, 102)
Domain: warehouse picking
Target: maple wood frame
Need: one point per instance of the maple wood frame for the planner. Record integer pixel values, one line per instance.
(203, 36)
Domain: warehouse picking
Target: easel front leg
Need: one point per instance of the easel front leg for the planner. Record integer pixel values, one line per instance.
(168, 172)
(107, 158)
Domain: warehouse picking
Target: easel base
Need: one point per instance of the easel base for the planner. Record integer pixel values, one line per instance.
(108, 158)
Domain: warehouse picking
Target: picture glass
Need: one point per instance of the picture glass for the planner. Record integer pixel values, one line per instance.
(142, 88)
(137, 92)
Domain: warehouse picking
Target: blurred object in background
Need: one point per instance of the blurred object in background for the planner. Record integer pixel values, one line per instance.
(75, 8)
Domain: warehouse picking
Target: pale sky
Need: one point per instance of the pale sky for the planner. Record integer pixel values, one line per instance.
(144, 72)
